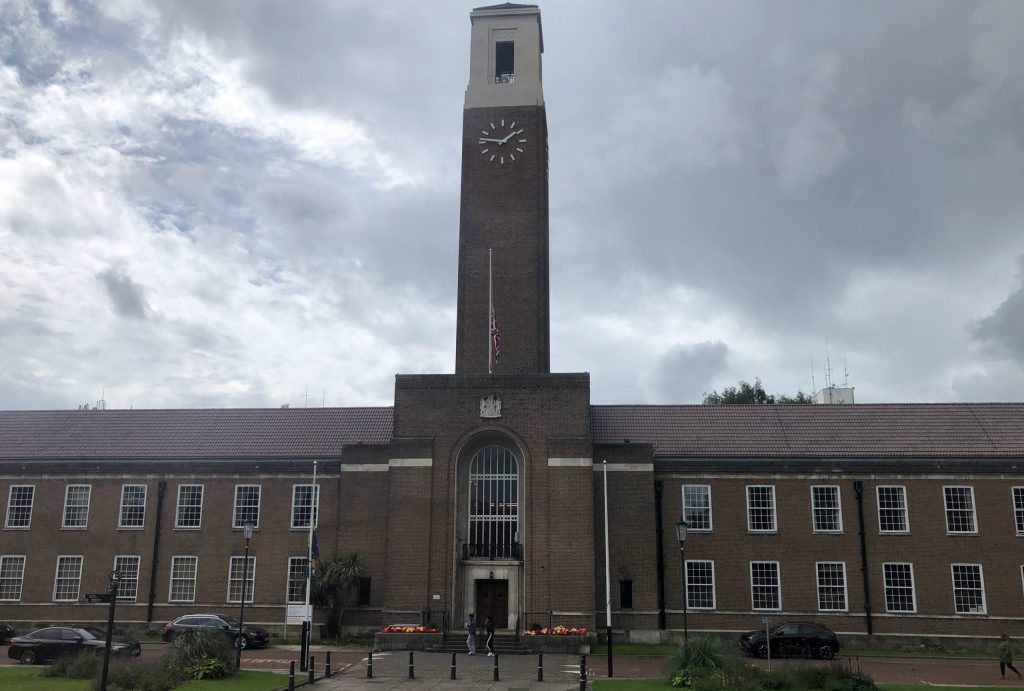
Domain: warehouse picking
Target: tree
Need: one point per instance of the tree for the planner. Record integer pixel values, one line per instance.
(334, 582)
(751, 394)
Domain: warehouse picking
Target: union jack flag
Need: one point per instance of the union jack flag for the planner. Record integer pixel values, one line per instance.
(495, 337)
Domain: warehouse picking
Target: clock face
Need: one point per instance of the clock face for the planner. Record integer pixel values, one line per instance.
(503, 142)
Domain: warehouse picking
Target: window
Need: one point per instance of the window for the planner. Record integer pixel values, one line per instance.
(363, 597)
(504, 62)
(76, 506)
(12, 573)
(761, 508)
(183, 579)
(700, 584)
(305, 503)
(190, 507)
(697, 506)
(247, 505)
(1018, 509)
(968, 589)
(237, 571)
(133, 506)
(831, 586)
(765, 592)
(826, 513)
(67, 579)
(128, 587)
(892, 509)
(19, 506)
(493, 504)
(899, 587)
(297, 580)
(960, 510)
(625, 594)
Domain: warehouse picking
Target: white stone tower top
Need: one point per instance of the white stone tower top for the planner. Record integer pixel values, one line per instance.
(504, 58)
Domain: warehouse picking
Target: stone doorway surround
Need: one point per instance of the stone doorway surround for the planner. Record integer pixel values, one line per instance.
(504, 570)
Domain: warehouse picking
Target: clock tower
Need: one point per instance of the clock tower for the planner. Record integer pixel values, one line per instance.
(503, 228)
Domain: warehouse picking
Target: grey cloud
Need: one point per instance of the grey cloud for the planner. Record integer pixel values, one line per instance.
(1004, 328)
(127, 297)
(685, 372)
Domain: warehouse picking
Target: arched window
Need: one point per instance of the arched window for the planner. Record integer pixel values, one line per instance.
(493, 504)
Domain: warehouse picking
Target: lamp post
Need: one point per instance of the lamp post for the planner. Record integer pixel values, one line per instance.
(247, 532)
(681, 527)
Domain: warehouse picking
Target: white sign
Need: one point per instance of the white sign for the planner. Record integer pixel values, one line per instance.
(297, 614)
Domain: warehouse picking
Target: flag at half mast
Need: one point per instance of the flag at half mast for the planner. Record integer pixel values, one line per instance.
(495, 337)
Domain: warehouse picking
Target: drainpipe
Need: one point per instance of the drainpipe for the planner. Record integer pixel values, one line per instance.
(858, 488)
(161, 490)
(660, 532)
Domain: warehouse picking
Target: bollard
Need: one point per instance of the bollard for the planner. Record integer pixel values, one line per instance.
(369, 666)
(327, 666)
(583, 673)
(291, 676)
(540, 666)
(453, 665)
(495, 666)
(312, 669)
(412, 670)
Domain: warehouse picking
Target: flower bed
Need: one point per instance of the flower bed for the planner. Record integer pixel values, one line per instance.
(407, 637)
(409, 628)
(557, 631)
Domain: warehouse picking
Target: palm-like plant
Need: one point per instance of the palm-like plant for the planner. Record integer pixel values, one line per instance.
(334, 582)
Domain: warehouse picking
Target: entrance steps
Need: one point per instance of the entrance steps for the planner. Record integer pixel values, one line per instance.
(504, 644)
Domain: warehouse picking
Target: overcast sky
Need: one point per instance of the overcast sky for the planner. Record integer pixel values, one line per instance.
(256, 203)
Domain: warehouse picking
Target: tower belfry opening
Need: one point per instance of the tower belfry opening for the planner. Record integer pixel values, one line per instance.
(505, 62)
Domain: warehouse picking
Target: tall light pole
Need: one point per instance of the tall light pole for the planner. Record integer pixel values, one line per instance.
(247, 532)
(681, 527)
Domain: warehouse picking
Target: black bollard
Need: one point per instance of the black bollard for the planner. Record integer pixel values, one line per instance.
(312, 669)
(495, 666)
(583, 673)
(540, 666)
(453, 665)
(304, 647)
(412, 670)
(327, 666)
(369, 666)
(291, 676)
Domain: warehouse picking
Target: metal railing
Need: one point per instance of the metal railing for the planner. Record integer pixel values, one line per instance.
(511, 551)
(505, 79)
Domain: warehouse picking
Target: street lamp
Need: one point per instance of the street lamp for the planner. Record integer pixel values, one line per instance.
(239, 640)
(681, 527)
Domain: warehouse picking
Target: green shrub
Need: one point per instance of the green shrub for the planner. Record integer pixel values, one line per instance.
(138, 675)
(74, 667)
(199, 645)
(699, 654)
(209, 668)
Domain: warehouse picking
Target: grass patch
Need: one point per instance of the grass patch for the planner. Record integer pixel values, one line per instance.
(661, 649)
(28, 679)
(921, 687)
(246, 680)
(630, 685)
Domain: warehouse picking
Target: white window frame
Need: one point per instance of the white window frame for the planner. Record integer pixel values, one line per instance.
(689, 582)
(778, 587)
(120, 561)
(688, 509)
(184, 558)
(19, 579)
(838, 510)
(11, 507)
(121, 514)
(314, 512)
(239, 524)
(1018, 509)
(774, 512)
(288, 581)
(913, 588)
(905, 510)
(77, 580)
(981, 584)
(88, 500)
(249, 577)
(178, 507)
(973, 511)
(821, 586)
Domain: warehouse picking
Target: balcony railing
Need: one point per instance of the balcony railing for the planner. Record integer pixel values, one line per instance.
(512, 551)
(505, 79)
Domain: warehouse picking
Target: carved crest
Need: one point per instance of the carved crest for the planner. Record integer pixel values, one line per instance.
(490, 407)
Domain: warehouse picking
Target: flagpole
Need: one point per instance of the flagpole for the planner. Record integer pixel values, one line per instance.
(314, 513)
(607, 573)
(490, 311)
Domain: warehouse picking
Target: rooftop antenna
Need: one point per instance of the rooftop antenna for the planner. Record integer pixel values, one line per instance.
(323, 399)
(814, 387)
(846, 373)
(828, 368)
(305, 396)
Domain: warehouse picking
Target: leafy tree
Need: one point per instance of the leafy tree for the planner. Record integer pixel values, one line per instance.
(334, 582)
(751, 394)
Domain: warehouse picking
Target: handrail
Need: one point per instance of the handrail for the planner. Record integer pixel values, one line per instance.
(492, 552)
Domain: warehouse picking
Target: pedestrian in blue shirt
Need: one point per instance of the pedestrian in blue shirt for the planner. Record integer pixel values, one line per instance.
(471, 638)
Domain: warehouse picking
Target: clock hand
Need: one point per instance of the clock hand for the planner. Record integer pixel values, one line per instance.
(497, 141)
(509, 136)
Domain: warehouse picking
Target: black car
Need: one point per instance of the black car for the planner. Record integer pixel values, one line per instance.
(251, 636)
(792, 639)
(6, 634)
(55, 641)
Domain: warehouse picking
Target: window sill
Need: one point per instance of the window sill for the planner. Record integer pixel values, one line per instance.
(25, 527)
(68, 527)
(829, 532)
(964, 534)
(122, 527)
(894, 532)
(187, 529)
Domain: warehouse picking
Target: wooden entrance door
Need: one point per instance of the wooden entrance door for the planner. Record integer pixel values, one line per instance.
(492, 601)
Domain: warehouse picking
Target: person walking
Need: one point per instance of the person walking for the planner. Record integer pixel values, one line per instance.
(489, 628)
(471, 638)
(1006, 656)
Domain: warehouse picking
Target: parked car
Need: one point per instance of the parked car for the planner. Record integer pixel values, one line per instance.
(792, 639)
(54, 641)
(6, 634)
(251, 636)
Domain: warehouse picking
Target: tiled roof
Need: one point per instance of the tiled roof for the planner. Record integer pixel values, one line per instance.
(191, 433)
(860, 430)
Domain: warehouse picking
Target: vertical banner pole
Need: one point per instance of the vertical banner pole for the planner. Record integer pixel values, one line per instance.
(314, 513)
(607, 574)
